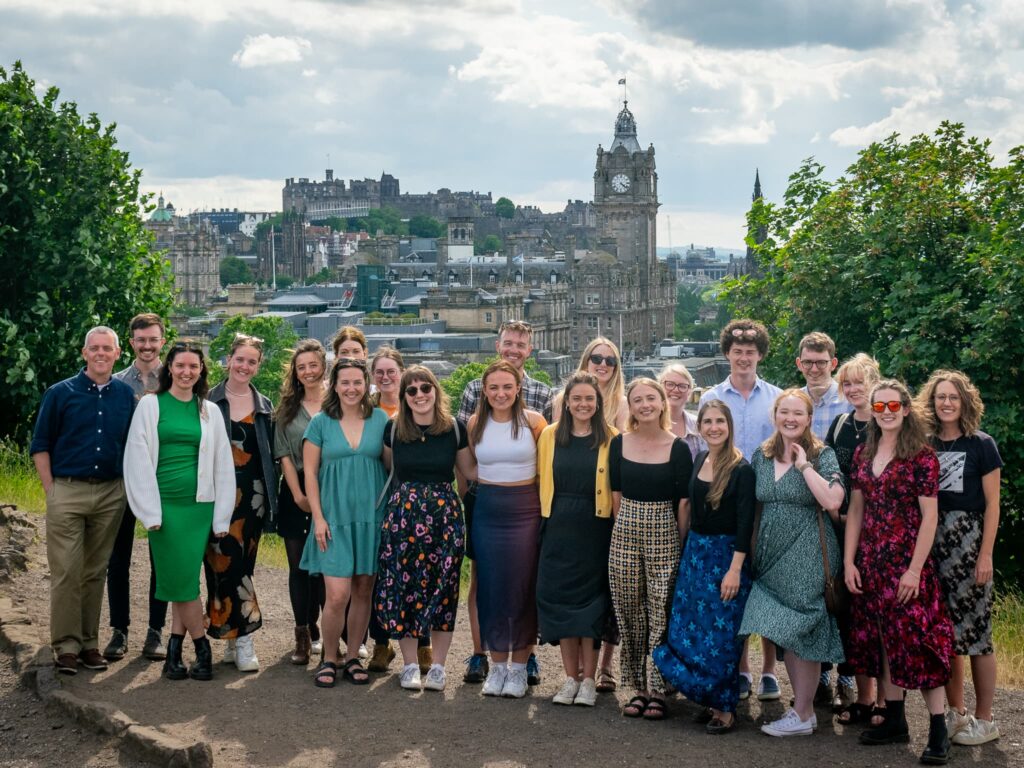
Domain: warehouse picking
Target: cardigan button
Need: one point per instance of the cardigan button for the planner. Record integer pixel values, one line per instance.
(598, 491)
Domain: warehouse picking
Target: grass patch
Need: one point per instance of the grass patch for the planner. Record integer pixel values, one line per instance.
(272, 553)
(19, 483)
(1008, 637)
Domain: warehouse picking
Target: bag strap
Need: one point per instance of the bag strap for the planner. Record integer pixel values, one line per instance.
(824, 550)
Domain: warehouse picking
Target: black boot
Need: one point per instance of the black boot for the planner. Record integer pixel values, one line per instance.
(202, 667)
(893, 729)
(173, 668)
(937, 751)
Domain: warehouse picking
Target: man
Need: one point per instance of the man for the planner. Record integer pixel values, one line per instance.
(77, 447)
(816, 359)
(143, 375)
(750, 399)
(514, 345)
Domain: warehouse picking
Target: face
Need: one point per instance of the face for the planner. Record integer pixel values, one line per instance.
(677, 388)
(100, 353)
(743, 358)
(309, 370)
(350, 385)
(582, 402)
(888, 421)
(792, 417)
(645, 404)
(816, 367)
(244, 363)
(386, 375)
(421, 403)
(714, 427)
(855, 391)
(501, 390)
(947, 403)
(185, 371)
(147, 343)
(352, 348)
(602, 369)
(514, 348)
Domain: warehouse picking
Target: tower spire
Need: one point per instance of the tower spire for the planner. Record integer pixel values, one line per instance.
(757, 185)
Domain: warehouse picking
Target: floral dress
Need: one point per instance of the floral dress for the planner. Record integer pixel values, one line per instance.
(917, 636)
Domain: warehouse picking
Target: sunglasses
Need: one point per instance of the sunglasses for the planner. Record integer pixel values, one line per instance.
(607, 360)
(412, 390)
(744, 333)
(245, 338)
(892, 405)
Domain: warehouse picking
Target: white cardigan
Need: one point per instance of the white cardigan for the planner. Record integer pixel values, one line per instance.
(216, 466)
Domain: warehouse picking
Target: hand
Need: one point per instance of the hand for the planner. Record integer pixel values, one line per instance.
(303, 503)
(983, 570)
(321, 532)
(909, 587)
(154, 527)
(852, 578)
(220, 535)
(798, 455)
(730, 585)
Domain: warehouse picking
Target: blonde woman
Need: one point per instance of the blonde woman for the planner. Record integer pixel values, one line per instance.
(601, 360)
(678, 384)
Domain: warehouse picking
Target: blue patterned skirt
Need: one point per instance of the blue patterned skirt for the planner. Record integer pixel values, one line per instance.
(700, 656)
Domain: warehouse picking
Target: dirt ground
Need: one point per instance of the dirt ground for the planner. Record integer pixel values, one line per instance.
(276, 717)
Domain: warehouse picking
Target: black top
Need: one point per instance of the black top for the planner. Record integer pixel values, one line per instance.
(651, 482)
(844, 441)
(427, 459)
(574, 468)
(962, 464)
(735, 513)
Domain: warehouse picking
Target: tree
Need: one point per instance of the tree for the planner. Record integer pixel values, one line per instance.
(279, 339)
(425, 226)
(914, 255)
(74, 250)
(284, 282)
(688, 304)
(456, 383)
(505, 208)
(264, 227)
(233, 270)
(387, 220)
(323, 276)
(489, 244)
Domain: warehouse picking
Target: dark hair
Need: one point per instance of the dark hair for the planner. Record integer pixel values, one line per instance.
(744, 331)
(913, 433)
(246, 340)
(332, 403)
(201, 387)
(483, 406)
(145, 320)
(406, 430)
(292, 390)
(598, 427)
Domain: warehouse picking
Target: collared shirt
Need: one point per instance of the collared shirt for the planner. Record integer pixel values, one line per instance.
(141, 384)
(826, 409)
(693, 439)
(751, 416)
(84, 427)
(536, 395)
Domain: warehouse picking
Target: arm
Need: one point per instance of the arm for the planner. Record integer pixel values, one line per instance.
(682, 466)
(854, 521)
(223, 473)
(42, 462)
(311, 468)
(386, 457)
(746, 511)
(614, 473)
(683, 518)
(827, 492)
(910, 581)
(990, 486)
(291, 477)
(465, 464)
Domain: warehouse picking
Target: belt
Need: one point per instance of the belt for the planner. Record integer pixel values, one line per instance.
(89, 480)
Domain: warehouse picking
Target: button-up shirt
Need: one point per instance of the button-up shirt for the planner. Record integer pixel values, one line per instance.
(84, 427)
(536, 395)
(826, 409)
(140, 383)
(751, 416)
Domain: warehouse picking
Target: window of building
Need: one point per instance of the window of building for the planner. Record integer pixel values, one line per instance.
(488, 317)
(593, 298)
(592, 322)
(608, 324)
(437, 316)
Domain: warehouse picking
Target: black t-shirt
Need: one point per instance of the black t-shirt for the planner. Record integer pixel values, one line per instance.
(428, 459)
(962, 464)
(735, 513)
(651, 482)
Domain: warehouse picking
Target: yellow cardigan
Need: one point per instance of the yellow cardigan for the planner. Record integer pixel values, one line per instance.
(545, 464)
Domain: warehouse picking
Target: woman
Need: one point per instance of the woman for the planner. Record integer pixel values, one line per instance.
(180, 483)
(573, 599)
(855, 377)
(969, 472)
(233, 611)
(650, 469)
(344, 484)
(301, 394)
(386, 368)
(350, 342)
(796, 474)
(714, 577)
(424, 533)
(503, 434)
(601, 360)
(901, 632)
(678, 384)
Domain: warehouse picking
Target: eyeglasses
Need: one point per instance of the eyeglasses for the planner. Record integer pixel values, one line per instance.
(425, 387)
(892, 405)
(671, 386)
(819, 364)
(744, 333)
(606, 359)
(944, 398)
(381, 373)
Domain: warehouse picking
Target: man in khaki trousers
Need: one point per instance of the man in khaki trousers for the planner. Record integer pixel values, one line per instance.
(77, 448)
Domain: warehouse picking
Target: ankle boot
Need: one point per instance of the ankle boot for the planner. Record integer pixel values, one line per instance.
(893, 729)
(202, 667)
(303, 643)
(937, 751)
(173, 668)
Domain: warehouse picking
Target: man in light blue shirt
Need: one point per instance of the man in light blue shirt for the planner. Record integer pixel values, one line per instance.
(816, 359)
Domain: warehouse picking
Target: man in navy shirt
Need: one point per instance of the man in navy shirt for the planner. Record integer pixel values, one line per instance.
(77, 448)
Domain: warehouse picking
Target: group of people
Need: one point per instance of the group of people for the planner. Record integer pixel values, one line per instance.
(603, 516)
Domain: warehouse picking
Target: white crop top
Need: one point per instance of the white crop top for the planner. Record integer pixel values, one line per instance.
(500, 458)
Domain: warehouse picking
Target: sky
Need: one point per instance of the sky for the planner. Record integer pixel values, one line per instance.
(218, 101)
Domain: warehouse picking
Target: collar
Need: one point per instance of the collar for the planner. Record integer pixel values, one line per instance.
(730, 388)
(829, 396)
(83, 382)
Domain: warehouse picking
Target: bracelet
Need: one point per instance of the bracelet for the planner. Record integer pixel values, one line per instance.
(804, 466)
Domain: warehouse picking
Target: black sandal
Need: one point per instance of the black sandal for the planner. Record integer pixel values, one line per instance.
(879, 712)
(327, 670)
(353, 672)
(655, 710)
(636, 707)
(854, 713)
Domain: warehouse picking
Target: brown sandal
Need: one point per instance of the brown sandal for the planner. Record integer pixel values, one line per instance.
(606, 682)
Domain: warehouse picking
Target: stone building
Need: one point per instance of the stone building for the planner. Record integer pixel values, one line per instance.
(193, 251)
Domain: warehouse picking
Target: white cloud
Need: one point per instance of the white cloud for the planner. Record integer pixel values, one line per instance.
(188, 194)
(267, 50)
(679, 227)
(740, 134)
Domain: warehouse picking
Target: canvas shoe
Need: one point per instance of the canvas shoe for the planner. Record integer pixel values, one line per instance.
(587, 694)
(515, 684)
(495, 682)
(768, 688)
(789, 724)
(229, 652)
(745, 685)
(245, 655)
(436, 678)
(567, 693)
(955, 722)
(411, 679)
(976, 732)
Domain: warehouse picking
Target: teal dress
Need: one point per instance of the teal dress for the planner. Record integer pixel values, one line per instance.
(179, 544)
(787, 598)
(350, 485)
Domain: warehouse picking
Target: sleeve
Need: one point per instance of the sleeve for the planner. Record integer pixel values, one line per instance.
(854, 478)
(282, 449)
(746, 505)
(682, 468)
(926, 473)
(388, 429)
(988, 455)
(315, 430)
(828, 467)
(546, 410)
(140, 484)
(830, 436)
(46, 424)
(470, 395)
(463, 441)
(223, 473)
(615, 463)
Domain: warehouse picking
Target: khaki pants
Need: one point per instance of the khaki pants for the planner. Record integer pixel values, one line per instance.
(81, 523)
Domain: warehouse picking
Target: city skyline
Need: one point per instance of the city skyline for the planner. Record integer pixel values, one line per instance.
(219, 102)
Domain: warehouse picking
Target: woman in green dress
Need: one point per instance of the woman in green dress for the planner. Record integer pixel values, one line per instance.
(180, 482)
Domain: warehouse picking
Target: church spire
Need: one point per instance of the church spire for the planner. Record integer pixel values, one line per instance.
(757, 185)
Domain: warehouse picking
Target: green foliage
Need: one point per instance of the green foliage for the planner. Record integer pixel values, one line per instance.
(264, 227)
(75, 253)
(19, 483)
(323, 276)
(284, 282)
(336, 223)
(426, 226)
(387, 220)
(489, 244)
(456, 383)
(233, 270)
(916, 256)
(279, 339)
(504, 208)
(187, 310)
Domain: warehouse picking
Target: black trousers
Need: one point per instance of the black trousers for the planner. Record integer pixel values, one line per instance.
(119, 580)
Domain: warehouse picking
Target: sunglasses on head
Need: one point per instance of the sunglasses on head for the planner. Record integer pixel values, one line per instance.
(744, 333)
(350, 362)
(425, 387)
(892, 405)
(606, 359)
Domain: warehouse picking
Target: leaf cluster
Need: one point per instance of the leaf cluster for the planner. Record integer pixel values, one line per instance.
(279, 340)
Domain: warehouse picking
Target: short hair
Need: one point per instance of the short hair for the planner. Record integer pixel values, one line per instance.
(146, 320)
(102, 329)
(816, 341)
(643, 381)
(862, 365)
(744, 331)
(971, 406)
(346, 333)
(679, 370)
(516, 326)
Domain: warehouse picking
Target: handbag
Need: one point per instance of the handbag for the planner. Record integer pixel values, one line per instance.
(837, 597)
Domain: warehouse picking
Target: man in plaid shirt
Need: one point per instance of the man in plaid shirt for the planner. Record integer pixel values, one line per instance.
(816, 359)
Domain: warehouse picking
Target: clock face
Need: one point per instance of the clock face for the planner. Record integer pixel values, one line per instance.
(620, 182)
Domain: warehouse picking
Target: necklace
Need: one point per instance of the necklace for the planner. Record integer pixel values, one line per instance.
(948, 445)
(423, 432)
(858, 431)
(235, 394)
(582, 434)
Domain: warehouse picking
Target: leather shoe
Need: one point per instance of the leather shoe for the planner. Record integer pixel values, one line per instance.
(717, 726)
(91, 658)
(66, 664)
(936, 755)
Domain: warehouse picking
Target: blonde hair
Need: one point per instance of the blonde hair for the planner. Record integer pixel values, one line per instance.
(611, 392)
(643, 381)
(773, 447)
(971, 406)
(862, 365)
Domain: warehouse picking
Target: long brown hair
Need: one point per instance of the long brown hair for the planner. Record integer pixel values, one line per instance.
(483, 406)
(332, 403)
(293, 390)
(728, 458)
(971, 406)
(598, 426)
(406, 428)
(772, 448)
(913, 434)
(201, 386)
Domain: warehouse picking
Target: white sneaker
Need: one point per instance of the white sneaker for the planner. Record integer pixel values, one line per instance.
(955, 722)
(495, 682)
(978, 731)
(567, 694)
(789, 724)
(316, 647)
(436, 678)
(364, 652)
(229, 652)
(245, 655)
(587, 694)
(515, 684)
(411, 677)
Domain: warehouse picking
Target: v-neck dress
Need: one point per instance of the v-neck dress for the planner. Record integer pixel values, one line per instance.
(351, 481)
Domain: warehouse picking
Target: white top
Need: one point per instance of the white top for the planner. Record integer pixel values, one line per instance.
(500, 458)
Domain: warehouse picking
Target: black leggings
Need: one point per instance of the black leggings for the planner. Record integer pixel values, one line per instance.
(306, 592)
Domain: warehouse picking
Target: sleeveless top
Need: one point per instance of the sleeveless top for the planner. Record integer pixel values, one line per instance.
(500, 458)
